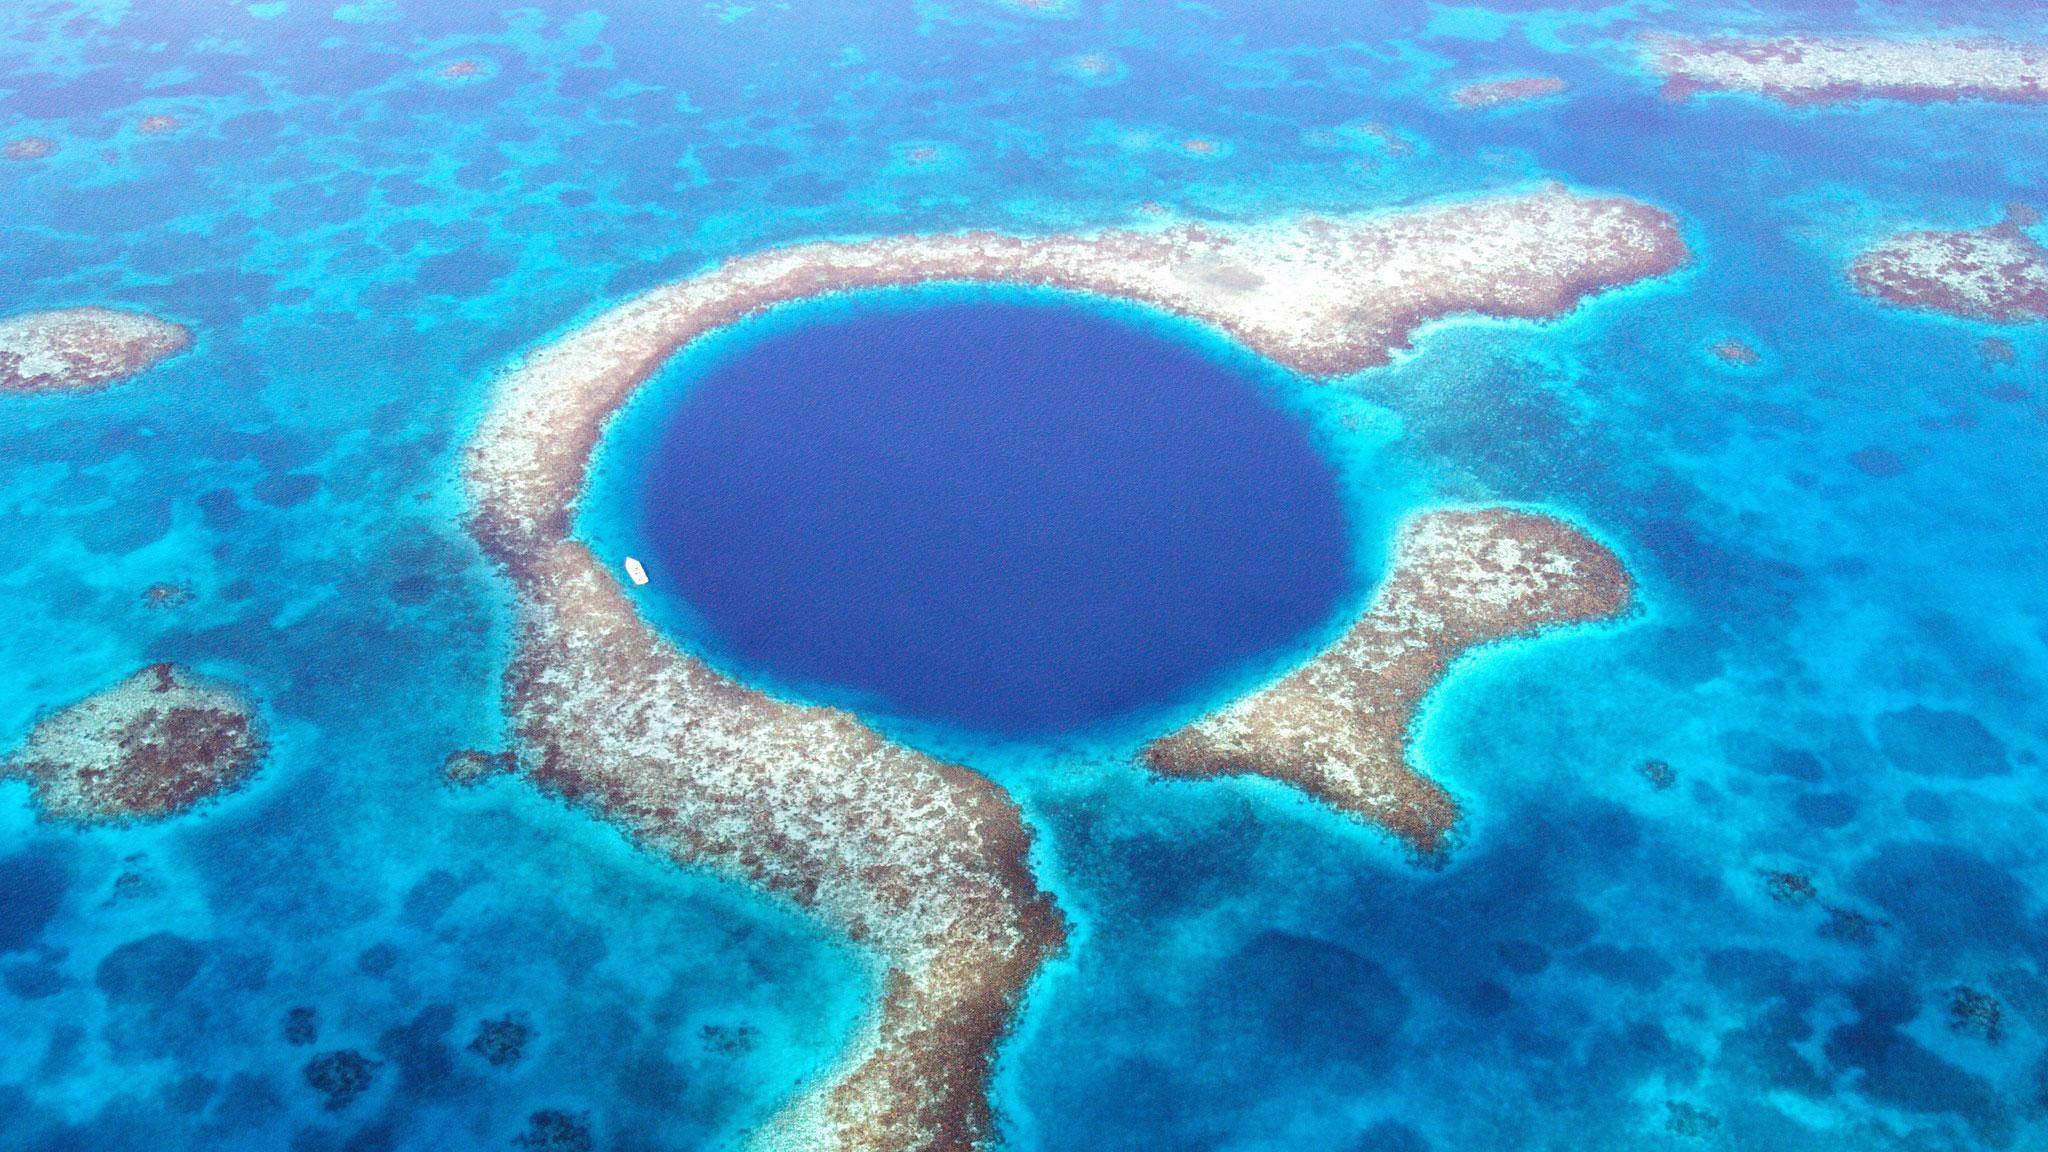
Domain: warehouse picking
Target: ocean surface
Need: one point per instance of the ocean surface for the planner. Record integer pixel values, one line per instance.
(1842, 653)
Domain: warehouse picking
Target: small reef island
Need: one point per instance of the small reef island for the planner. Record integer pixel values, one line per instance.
(78, 349)
(1998, 274)
(923, 864)
(158, 744)
(1337, 728)
(1802, 70)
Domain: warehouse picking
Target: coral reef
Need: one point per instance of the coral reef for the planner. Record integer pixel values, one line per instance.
(167, 595)
(30, 148)
(1736, 352)
(157, 744)
(922, 863)
(301, 1026)
(1790, 888)
(1847, 926)
(469, 767)
(1658, 773)
(1979, 1012)
(72, 349)
(729, 1039)
(340, 1077)
(1487, 94)
(501, 1042)
(553, 1130)
(1997, 351)
(1338, 726)
(1828, 70)
(1685, 1119)
(1998, 273)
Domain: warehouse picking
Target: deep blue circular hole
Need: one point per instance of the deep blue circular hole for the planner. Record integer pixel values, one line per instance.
(1012, 513)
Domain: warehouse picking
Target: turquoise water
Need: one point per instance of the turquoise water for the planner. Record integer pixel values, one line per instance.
(359, 242)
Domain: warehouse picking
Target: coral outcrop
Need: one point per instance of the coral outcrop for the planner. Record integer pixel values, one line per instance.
(160, 743)
(1338, 727)
(77, 349)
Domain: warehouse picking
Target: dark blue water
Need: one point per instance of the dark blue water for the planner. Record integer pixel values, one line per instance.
(1014, 517)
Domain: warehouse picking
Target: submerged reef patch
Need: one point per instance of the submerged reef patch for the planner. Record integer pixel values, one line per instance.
(1998, 273)
(1338, 727)
(922, 863)
(74, 349)
(157, 744)
(31, 148)
(1830, 70)
(1487, 94)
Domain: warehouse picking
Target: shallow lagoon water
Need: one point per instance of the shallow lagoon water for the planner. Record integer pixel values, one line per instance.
(361, 242)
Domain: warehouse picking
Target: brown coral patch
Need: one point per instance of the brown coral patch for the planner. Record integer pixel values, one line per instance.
(74, 349)
(1735, 352)
(157, 744)
(469, 767)
(31, 148)
(1998, 273)
(1487, 94)
(1338, 727)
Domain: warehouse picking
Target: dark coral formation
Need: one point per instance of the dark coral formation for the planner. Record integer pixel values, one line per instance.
(1976, 1012)
(729, 1039)
(1689, 1120)
(167, 595)
(1847, 926)
(150, 970)
(1999, 274)
(157, 744)
(501, 1042)
(553, 1130)
(30, 148)
(469, 767)
(301, 1026)
(1790, 888)
(340, 1076)
(1338, 727)
(75, 349)
(1658, 773)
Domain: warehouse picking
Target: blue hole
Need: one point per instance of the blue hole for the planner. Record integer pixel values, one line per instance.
(1013, 513)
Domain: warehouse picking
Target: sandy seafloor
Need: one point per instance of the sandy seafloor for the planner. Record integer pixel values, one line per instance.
(358, 242)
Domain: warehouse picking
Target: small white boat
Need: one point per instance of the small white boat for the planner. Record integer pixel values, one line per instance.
(634, 570)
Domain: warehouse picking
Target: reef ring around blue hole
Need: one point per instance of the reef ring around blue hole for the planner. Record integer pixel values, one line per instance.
(1005, 511)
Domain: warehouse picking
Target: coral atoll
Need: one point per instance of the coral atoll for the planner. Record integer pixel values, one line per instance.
(922, 863)
(70, 349)
(1998, 273)
(1338, 727)
(1827, 70)
(159, 743)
